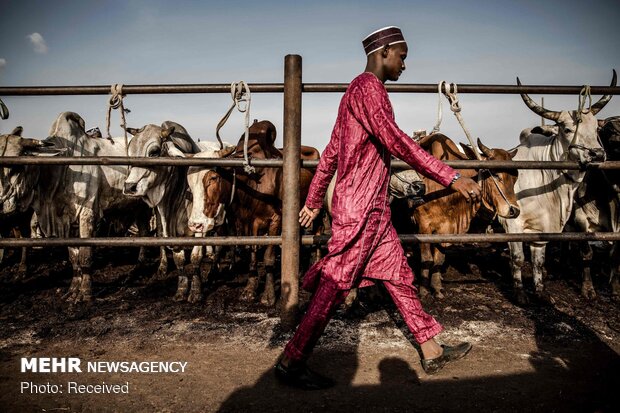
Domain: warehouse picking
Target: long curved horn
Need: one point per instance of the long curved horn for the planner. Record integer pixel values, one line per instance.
(223, 153)
(539, 110)
(596, 108)
(486, 151)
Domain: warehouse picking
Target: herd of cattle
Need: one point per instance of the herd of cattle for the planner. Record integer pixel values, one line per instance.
(74, 200)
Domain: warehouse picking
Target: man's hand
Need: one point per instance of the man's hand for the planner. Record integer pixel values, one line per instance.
(307, 215)
(468, 188)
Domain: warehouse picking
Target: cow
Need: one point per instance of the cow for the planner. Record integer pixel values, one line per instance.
(165, 189)
(545, 197)
(597, 208)
(251, 201)
(16, 212)
(70, 200)
(447, 212)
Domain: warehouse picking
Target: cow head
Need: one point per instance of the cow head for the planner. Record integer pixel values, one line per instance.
(150, 141)
(18, 182)
(582, 146)
(497, 186)
(609, 132)
(407, 184)
(211, 192)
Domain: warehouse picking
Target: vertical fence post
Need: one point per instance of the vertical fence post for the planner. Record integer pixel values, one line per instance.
(290, 204)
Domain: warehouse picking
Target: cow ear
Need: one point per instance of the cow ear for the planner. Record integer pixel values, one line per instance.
(513, 152)
(469, 152)
(172, 150)
(133, 131)
(166, 133)
(17, 131)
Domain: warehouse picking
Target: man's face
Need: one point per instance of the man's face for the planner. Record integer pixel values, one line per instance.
(394, 62)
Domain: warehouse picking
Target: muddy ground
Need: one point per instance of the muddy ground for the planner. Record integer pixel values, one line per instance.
(560, 357)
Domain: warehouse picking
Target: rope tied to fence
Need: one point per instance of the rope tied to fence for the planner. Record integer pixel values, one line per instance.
(241, 97)
(451, 93)
(4, 111)
(116, 102)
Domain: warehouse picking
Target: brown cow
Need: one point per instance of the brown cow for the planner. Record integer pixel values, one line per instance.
(253, 202)
(447, 212)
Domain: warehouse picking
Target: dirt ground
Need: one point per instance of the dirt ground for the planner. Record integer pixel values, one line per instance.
(540, 358)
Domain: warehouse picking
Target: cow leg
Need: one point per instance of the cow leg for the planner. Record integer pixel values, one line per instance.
(538, 264)
(76, 281)
(587, 289)
(249, 292)
(87, 229)
(162, 269)
(517, 259)
(195, 292)
(268, 298)
(426, 256)
(351, 299)
(615, 271)
(183, 284)
(436, 278)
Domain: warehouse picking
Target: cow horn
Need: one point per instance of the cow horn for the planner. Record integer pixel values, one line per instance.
(223, 153)
(165, 133)
(539, 110)
(469, 151)
(133, 131)
(596, 108)
(30, 143)
(486, 151)
(17, 131)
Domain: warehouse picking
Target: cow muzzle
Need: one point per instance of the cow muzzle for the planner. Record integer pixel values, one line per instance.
(130, 188)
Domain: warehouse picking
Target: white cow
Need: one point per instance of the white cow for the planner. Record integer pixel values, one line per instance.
(545, 196)
(70, 200)
(165, 189)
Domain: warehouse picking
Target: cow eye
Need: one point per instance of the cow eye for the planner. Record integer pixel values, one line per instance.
(154, 152)
(568, 130)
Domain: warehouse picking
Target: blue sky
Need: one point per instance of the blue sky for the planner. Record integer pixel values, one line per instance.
(151, 42)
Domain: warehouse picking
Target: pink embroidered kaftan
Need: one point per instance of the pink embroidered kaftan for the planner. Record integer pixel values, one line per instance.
(364, 244)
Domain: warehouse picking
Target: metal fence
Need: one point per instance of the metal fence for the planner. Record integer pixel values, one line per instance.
(291, 238)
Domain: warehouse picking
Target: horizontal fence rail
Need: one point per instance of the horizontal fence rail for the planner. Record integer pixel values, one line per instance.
(305, 240)
(278, 163)
(305, 87)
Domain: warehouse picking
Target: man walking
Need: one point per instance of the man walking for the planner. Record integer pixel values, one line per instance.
(364, 247)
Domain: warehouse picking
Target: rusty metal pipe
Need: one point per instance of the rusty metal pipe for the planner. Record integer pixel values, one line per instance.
(289, 299)
(307, 87)
(306, 240)
(276, 163)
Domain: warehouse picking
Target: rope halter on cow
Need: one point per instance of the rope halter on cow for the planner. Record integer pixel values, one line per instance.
(584, 94)
(240, 93)
(4, 111)
(116, 102)
(451, 93)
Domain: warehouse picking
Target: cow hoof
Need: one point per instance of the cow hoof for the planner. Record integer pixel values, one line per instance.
(179, 296)
(424, 293)
(248, 295)
(521, 298)
(268, 300)
(194, 297)
(544, 297)
(439, 295)
(588, 292)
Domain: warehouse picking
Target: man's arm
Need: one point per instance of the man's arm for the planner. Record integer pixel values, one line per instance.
(374, 110)
(325, 171)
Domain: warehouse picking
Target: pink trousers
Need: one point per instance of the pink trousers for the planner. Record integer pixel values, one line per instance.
(328, 297)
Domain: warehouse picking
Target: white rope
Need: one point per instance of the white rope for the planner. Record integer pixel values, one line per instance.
(435, 129)
(451, 92)
(116, 102)
(240, 93)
